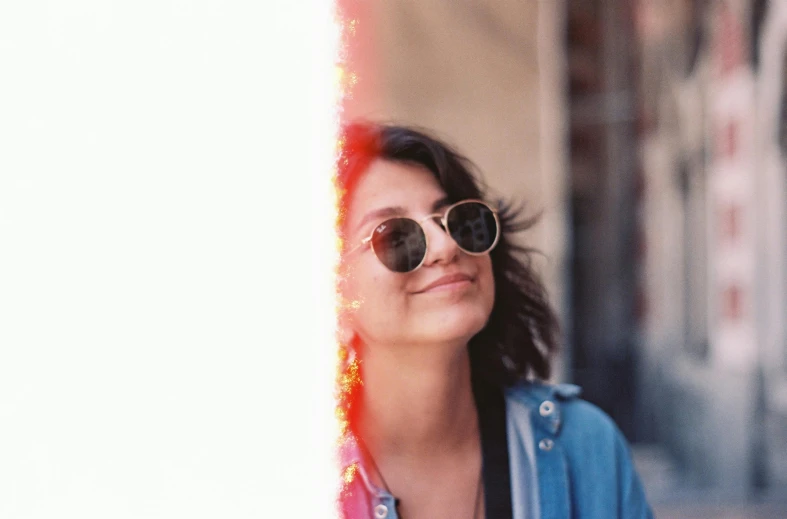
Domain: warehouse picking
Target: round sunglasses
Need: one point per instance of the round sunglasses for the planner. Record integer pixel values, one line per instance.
(401, 243)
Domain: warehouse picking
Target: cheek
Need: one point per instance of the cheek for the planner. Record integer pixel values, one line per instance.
(378, 297)
(487, 282)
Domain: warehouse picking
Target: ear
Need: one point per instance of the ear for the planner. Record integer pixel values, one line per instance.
(344, 317)
(344, 334)
(347, 340)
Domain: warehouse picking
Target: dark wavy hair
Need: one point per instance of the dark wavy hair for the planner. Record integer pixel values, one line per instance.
(521, 335)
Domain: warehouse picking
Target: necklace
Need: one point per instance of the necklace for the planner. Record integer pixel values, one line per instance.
(479, 485)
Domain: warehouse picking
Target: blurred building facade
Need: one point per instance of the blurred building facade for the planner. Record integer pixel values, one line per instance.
(653, 136)
(711, 258)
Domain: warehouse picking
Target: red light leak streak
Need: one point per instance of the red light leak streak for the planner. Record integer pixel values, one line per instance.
(355, 72)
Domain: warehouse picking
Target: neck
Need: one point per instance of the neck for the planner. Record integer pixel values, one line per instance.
(417, 402)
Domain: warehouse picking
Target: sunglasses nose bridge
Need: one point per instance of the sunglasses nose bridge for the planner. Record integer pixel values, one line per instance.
(440, 245)
(436, 218)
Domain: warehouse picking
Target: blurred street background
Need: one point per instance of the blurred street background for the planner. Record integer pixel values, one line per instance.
(652, 137)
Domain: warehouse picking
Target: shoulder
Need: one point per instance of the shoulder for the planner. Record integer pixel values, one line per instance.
(578, 447)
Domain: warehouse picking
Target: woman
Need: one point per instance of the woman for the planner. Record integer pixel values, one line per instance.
(445, 329)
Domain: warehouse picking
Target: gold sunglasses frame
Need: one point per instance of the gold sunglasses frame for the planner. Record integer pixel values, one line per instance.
(444, 225)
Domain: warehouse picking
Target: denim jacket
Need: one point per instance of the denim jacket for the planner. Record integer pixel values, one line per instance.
(567, 460)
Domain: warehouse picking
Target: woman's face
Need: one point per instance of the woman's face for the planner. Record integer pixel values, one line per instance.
(400, 309)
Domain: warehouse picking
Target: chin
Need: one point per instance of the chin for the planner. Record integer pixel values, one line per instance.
(455, 324)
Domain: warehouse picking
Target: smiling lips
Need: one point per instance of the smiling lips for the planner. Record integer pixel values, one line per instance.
(448, 282)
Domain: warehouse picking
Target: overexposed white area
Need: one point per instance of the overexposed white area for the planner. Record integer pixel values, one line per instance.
(166, 249)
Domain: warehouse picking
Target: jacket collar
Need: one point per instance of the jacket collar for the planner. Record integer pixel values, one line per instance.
(544, 402)
(353, 463)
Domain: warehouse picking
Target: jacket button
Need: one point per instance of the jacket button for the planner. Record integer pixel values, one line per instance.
(546, 408)
(380, 511)
(546, 444)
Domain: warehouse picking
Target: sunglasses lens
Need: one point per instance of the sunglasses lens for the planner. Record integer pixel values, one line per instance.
(400, 244)
(473, 226)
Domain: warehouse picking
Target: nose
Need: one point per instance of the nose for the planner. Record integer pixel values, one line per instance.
(441, 247)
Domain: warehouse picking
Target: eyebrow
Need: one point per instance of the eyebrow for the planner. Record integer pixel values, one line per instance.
(397, 210)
